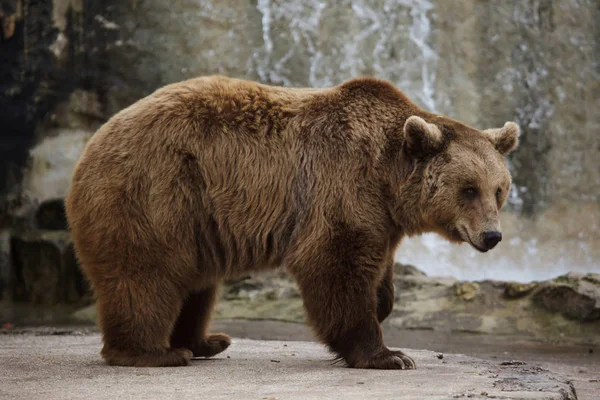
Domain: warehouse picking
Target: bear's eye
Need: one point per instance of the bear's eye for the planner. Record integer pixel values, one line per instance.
(498, 193)
(470, 192)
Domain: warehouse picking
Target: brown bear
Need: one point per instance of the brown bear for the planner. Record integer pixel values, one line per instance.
(213, 177)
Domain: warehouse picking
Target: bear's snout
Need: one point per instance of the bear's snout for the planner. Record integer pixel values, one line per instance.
(491, 239)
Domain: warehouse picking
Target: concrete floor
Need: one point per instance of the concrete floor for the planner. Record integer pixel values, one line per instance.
(579, 363)
(67, 365)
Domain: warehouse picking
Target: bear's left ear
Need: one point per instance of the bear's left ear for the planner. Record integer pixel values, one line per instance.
(421, 137)
(505, 139)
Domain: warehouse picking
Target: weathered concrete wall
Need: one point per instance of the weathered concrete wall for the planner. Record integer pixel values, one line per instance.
(483, 62)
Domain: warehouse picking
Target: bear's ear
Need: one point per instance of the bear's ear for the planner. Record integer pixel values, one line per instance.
(422, 138)
(505, 139)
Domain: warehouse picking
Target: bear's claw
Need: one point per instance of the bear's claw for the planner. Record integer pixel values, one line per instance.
(387, 360)
(211, 345)
(408, 361)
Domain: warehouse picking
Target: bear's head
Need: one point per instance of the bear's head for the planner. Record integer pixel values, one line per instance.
(465, 178)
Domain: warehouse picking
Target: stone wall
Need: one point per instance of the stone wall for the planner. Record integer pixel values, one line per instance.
(483, 62)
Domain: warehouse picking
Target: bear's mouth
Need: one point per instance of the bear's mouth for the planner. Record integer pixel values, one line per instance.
(480, 249)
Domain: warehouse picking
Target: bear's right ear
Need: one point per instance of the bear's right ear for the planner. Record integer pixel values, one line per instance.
(421, 137)
(505, 139)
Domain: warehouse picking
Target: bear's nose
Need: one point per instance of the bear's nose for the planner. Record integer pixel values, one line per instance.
(491, 239)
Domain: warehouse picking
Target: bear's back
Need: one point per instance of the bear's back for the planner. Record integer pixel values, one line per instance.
(235, 164)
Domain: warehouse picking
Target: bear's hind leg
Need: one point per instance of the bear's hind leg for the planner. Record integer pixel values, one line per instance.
(192, 324)
(136, 317)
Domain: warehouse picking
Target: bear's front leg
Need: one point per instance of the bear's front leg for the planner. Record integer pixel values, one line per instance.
(340, 297)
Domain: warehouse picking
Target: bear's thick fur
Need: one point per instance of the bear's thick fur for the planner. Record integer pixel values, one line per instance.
(213, 177)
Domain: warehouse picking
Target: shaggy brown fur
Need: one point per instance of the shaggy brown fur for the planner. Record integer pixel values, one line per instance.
(213, 177)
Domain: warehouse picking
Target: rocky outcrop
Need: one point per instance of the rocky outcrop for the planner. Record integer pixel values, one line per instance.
(564, 309)
(575, 296)
(531, 310)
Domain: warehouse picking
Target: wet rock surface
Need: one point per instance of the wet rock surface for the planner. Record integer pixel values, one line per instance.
(575, 296)
(261, 369)
(563, 310)
(534, 310)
